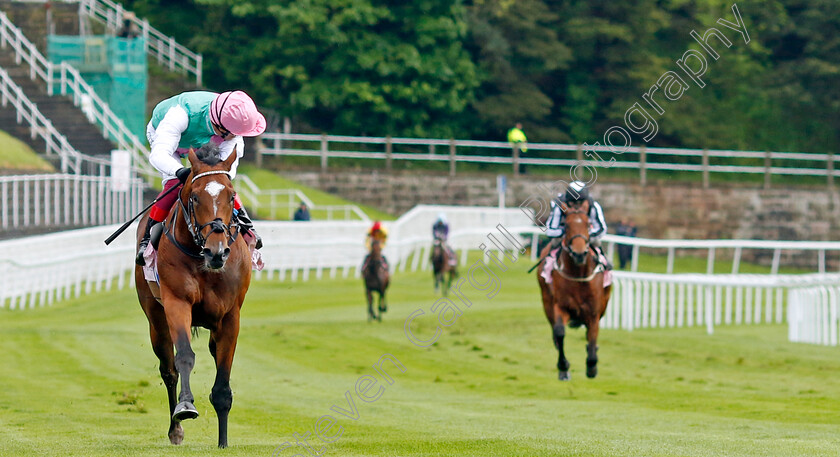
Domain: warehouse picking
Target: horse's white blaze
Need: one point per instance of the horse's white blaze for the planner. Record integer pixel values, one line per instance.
(213, 188)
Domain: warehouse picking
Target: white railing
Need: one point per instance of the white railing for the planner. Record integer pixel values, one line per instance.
(820, 248)
(642, 300)
(36, 270)
(40, 270)
(164, 49)
(64, 79)
(814, 314)
(288, 200)
(51, 200)
(452, 151)
(39, 125)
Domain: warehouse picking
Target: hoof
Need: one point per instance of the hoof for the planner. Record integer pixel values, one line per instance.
(591, 372)
(185, 410)
(564, 376)
(383, 308)
(176, 435)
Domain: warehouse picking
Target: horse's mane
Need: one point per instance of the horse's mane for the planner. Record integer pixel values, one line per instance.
(209, 154)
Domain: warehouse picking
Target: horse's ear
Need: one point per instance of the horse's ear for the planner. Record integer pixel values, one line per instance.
(193, 158)
(231, 158)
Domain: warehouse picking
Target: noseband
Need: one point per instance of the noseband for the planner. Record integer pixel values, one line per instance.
(568, 248)
(195, 228)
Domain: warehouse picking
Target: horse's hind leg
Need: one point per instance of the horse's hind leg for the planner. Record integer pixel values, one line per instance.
(592, 348)
(162, 345)
(223, 346)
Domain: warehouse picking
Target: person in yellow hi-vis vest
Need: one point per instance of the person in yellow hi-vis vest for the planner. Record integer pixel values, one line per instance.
(516, 138)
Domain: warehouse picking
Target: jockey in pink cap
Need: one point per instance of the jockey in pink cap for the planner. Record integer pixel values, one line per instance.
(190, 120)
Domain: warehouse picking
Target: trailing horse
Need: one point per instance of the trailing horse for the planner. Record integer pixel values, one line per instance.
(205, 270)
(442, 266)
(574, 293)
(377, 279)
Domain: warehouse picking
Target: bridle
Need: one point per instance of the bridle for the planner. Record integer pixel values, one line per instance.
(568, 248)
(195, 228)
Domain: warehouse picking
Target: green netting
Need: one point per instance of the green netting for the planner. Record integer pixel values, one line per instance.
(114, 67)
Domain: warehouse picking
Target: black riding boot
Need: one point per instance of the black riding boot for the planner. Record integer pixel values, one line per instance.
(144, 243)
(246, 224)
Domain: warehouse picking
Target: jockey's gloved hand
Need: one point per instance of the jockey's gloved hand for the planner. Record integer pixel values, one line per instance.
(183, 174)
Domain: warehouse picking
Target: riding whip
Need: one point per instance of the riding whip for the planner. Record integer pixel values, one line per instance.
(125, 226)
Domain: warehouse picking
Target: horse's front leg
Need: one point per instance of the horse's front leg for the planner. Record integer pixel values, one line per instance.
(592, 347)
(179, 317)
(162, 345)
(371, 313)
(222, 346)
(559, 334)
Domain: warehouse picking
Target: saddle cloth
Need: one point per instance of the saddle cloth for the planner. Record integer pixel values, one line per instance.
(551, 262)
(150, 270)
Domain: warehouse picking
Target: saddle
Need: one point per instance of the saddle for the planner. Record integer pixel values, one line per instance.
(551, 264)
(150, 270)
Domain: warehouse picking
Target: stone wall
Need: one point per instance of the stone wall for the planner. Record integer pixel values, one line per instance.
(660, 210)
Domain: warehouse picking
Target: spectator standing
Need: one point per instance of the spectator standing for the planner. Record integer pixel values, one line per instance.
(302, 213)
(625, 252)
(129, 29)
(517, 140)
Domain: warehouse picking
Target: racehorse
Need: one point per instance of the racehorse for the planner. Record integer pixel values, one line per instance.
(377, 278)
(576, 295)
(441, 266)
(204, 270)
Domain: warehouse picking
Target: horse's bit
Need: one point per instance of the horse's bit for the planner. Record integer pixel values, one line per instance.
(195, 229)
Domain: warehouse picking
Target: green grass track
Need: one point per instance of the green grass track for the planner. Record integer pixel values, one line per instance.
(80, 379)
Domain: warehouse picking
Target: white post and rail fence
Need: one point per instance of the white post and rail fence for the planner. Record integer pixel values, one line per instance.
(39, 270)
(387, 150)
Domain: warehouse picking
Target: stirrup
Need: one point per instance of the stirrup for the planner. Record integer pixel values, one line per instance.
(141, 248)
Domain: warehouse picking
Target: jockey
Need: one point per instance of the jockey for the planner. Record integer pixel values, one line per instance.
(376, 232)
(440, 231)
(189, 120)
(556, 226)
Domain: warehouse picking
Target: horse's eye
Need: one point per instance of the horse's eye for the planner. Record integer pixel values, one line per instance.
(194, 198)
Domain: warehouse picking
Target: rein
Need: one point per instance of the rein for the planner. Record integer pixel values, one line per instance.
(567, 247)
(193, 226)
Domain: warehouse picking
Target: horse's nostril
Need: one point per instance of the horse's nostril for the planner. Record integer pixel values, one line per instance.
(226, 253)
(206, 253)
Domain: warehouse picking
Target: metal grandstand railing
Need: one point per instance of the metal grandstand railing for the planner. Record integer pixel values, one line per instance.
(66, 80)
(163, 48)
(271, 202)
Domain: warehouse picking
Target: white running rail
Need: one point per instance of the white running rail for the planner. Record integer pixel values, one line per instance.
(288, 200)
(66, 80)
(814, 314)
(163, 48)
(34, 271)
(64, 200)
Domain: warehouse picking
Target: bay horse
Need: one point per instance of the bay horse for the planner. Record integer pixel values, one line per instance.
(442, 267)
(576, 295)
(204, 272)
(377, 279)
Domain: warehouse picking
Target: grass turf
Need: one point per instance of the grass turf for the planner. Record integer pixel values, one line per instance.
(16, 155)
(80, 378)
(267, 180)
